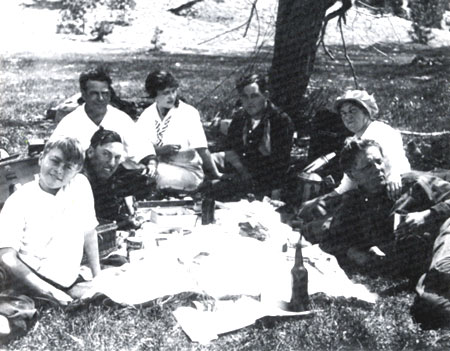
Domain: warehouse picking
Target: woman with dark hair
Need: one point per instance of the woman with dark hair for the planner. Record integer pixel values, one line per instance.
(175, 130)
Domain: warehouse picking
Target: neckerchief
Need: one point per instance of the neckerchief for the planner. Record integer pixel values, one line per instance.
(161, 127)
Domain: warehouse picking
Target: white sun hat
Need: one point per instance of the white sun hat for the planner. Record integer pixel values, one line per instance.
(361, 97)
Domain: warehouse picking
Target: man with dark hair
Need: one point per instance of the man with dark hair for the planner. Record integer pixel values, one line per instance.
(103, 158)
(259, 142)
(96, 112)
(408, 236)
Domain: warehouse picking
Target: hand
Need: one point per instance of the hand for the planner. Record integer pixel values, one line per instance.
(394, 188)
(312, 209)
(60, 296)
(214, 176)
(151, 169)
(168, 150)
(411, 224)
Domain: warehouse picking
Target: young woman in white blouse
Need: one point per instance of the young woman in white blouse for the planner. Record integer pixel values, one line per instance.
(175, 130)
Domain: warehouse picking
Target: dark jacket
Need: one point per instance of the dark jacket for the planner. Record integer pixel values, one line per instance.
(364, 221)
(268, 170)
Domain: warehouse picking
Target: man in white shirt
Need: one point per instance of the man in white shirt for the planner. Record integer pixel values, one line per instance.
(96, 112)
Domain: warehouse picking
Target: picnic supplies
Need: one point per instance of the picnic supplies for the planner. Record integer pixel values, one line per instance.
(16, 170)
(107, 243)
(173, 216)
(20, 313)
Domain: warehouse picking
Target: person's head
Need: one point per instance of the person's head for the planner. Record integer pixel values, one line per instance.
(95, 87)
(357, 109)
(60, 161)
(253, 93)
(363, 161)
(105, 153)
(163, 87)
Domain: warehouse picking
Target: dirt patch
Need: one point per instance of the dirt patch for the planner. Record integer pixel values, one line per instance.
(207, 27)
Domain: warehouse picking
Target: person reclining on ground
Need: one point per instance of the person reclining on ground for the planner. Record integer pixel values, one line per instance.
(174, 129)
(259, 143)
(362, 229)
(357, 109)
(46, 224)
(96, 112)
(113, 200)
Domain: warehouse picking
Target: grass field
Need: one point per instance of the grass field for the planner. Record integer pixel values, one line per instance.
(412, 97)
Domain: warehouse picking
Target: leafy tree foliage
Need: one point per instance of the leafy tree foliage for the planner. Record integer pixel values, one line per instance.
(81, 16)
(426, 14)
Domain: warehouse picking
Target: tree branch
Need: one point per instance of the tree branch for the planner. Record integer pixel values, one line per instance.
(346, 4)
(250, 17)
(189, 4)
(246, 24)
(341, 18)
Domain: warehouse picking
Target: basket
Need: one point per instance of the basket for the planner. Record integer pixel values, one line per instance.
(107, 243)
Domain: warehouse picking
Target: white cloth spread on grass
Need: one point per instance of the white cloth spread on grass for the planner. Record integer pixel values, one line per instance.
(48, 230)
(217, 261)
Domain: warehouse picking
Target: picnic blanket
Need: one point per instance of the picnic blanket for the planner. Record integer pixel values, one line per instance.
(218, 262)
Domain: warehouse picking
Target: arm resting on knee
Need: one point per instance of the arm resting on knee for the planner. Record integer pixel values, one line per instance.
(22, 275)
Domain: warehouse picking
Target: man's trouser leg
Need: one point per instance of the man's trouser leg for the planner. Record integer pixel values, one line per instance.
(432, 304)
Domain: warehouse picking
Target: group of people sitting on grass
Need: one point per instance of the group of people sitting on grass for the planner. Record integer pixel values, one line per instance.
(98, 159)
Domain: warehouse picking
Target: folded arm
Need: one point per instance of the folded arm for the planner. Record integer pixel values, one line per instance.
(22, 275)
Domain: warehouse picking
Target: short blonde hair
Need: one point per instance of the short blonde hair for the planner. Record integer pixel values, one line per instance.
(70, 148)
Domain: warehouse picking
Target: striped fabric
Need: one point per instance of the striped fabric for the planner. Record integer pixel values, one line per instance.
(161, 127)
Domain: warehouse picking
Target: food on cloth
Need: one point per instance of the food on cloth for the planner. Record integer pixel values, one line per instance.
(256, 231)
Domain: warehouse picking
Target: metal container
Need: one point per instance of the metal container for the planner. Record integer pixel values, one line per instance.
(133, 243)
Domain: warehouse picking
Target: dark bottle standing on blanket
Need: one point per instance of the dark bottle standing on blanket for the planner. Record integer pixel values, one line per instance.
(300, 298)
(208, 205)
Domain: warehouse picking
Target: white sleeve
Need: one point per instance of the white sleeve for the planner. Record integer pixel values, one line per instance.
(143, 141)
(84, 193)
(345, 185)
(197, 137)
(394, 153)
(59, 131)
(136, 145)
(12, 222)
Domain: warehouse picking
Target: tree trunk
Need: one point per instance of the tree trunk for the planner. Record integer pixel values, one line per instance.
(297, 32)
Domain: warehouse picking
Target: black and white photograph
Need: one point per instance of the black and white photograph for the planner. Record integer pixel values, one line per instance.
(249, 175)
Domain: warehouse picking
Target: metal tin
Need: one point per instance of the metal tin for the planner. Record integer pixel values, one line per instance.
(133, 243)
